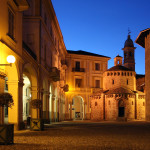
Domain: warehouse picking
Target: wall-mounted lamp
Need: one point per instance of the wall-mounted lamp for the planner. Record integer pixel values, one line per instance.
(10, 59)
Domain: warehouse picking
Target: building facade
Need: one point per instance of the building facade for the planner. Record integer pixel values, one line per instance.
(119, 99)
(84, 76)
(143, 40)
(30, 32)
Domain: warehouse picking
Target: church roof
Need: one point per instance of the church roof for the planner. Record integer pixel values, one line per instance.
(128, 42)
(81, 52)
(119, 90)
(119, 68)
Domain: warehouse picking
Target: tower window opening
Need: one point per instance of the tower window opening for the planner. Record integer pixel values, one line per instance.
(143, 104)
(113, 81)
(127, 81)
(130, 53)
(132, 102)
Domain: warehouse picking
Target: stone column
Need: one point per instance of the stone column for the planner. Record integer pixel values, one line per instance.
(2, 84)
(84, 110)
(70, 110)
(52, 113)
(88, 114)
(15, 114)
(34, 92)
(47, 106)
(66, 108)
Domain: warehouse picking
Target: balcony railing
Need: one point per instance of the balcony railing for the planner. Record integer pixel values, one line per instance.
(78, 70)
(54, 74)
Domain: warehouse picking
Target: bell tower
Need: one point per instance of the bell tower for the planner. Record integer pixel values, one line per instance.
(128, 49)
(117, 60)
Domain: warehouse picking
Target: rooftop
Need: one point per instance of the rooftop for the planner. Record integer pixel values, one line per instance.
(81, 52)
(141, 37)
(119, 90)
(119, 68)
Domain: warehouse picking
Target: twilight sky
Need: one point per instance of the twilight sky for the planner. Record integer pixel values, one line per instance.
(101, 26)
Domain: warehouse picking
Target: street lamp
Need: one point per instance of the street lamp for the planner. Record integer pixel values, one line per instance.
(10, 59)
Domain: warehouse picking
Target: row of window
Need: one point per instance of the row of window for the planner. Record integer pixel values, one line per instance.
(79, 83)
(113, 81)
(118, 74)
(97, 66)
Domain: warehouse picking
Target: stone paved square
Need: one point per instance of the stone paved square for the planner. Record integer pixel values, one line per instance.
(80, 135)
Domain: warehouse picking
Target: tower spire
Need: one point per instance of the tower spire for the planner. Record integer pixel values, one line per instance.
(128, 49)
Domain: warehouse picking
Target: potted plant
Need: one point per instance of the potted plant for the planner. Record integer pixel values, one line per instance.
(37, 123)
(6, 130)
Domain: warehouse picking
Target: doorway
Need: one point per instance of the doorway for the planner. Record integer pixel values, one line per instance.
(121, 112)
(121, 109)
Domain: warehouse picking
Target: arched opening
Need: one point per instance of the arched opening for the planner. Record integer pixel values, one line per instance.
(30, 91)
(44, 98)
(77, 108)
(121, 109)
(26, 97)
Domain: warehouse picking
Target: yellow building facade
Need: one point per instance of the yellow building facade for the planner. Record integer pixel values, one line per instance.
(84, 76)
(29, 31)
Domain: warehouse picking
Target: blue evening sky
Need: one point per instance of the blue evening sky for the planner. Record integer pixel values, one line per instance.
(101, 26)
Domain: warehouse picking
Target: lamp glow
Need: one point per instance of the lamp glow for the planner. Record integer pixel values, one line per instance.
(11, 59)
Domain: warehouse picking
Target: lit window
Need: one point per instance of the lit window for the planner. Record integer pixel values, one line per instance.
(10, 24)
(97, 83)
(97, 66)
(78, 82)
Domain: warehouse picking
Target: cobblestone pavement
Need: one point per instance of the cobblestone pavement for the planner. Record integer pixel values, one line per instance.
(86, 135)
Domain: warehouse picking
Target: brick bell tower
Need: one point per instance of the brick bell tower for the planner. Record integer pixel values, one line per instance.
(128, 49)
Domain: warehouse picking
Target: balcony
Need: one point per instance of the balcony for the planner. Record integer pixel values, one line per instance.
(78, 70)
(54, 74)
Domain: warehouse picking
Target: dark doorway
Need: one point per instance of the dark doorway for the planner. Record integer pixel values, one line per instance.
(121, 112)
